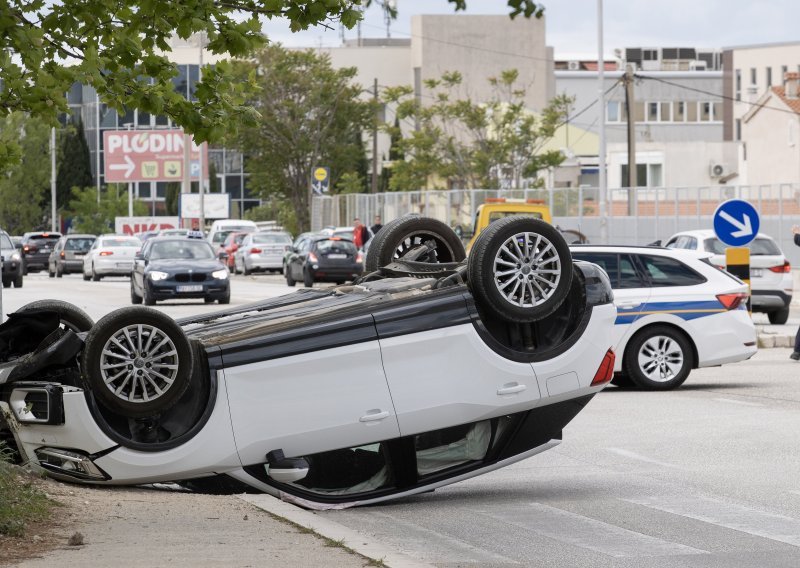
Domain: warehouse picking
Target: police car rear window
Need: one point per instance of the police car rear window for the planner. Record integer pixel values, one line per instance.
(665, 271)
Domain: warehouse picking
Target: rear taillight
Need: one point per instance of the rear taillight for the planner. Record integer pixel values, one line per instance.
(784, 268)
(312, 257)
(105, 253)
(732, 301)
(255, 251)
(606, 369)
(359, 257)
(26, 248)
(62, 254)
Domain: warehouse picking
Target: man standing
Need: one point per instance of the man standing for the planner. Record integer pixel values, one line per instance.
(796, 353)
(360, 234)
(377, 226)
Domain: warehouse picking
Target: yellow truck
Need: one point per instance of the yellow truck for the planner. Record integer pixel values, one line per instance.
(495, 208)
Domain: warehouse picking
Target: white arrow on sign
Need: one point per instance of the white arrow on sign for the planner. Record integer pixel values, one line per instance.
(129, 166)
(745, 228)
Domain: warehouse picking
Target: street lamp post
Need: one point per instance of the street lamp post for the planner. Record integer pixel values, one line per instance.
(53, 179)
(601, 154)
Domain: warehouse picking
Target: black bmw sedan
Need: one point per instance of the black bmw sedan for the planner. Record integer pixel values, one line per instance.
(169, 268)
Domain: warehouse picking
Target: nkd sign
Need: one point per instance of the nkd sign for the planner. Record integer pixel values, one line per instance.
(136, 225)
(149, 155)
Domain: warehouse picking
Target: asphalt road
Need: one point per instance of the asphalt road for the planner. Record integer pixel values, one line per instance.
(704, 476)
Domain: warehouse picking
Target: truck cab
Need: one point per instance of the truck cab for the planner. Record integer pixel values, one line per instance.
(495, 208)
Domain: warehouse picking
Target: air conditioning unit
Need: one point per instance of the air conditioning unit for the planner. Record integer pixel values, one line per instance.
(574, 65)
(719, 169)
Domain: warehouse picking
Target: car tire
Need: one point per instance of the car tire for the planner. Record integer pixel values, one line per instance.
(236, 269)
(778, 317)
(95, 276)
(86, 277)
(50, 273)
(544, 268)
(226, 299)
(24, 267)
(147, 296)
(18, 281)
(135, 298)
(71, 316)
(289, 280)
(400, 235)
(247, 271)
(658, 358)
(115, 342)
(308, 279)
(59, 272)
(6, 283)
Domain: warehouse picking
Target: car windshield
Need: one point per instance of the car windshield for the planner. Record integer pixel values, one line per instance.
(121, 243)
(182, 249)
(79, 244)
(5, 242)
(759, 247)
(271, 238)
(48, 239)
(336, 246)
(220, 236)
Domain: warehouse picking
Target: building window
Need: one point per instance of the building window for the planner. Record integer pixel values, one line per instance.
(769, 77)
(665, 112)
(705, 112)
(638, 111)
(679, 111)
(612, 111)
(784, 70)
(691, 111)
(716, 109)
(652, 112)
(738, 84)
(649, 55)
(753, 76)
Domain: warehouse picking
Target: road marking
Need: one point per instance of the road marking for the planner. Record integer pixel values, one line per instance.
(634, 456)
(732, 401)
(732, 516)
(584, 532)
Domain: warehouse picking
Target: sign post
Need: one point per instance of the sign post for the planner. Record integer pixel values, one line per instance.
(736, 224)
(322, 180)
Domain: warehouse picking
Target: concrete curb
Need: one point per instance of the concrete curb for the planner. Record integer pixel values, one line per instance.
(769, 340)
(381, 554)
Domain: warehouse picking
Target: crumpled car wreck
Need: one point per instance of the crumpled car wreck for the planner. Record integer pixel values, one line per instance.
(431, 369)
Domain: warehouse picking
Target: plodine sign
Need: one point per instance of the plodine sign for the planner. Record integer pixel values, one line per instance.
(149, 155)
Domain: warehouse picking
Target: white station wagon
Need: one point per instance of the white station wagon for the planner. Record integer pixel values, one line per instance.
(675, 312)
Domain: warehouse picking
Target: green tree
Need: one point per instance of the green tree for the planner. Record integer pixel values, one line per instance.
(172, 191)
(310, 115)
(395, 155)
(25, 187)
(467, 144)
(121, 48)
(75, 167)
(89, 216)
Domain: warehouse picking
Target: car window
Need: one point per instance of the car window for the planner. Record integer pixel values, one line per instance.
(665, 271)
(759, 247)
(121, 243)
(81, 244)
(275, 238)
(49, 240)
(5, 242)
(335, 246)
(181, 250)
(608, 261)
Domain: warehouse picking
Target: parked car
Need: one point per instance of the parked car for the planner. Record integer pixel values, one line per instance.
(675, 312)
(67, 255)
(221, 228)
(170, 268)
(36, 248)
(771, 283)
(12, 262)
(324, 397)
(324, 259)
(229, 247)
(110, 255)
(262, 251)
(341, 232)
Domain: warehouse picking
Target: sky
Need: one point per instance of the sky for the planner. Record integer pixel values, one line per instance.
(571, 25)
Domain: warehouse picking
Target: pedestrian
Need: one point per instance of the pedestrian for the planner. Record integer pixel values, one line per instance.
(796, 353)
(360, 233)
(377, 226)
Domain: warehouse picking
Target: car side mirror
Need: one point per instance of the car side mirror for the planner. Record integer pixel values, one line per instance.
(138, 256)
(286, 470)
(655, 243)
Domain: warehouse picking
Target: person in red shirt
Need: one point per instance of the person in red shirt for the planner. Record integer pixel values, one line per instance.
(360, 234)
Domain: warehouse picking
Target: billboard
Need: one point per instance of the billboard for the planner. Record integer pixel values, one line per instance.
(149, 155)
(215, 205)
(134, 225)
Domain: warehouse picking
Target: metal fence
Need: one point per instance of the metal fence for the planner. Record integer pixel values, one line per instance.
(638, 216)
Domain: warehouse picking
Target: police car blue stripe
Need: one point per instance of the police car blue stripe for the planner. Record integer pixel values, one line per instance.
(684, 310)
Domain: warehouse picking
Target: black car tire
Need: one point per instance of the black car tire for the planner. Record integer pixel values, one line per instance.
(50, 273)
(497, 265)
(95, 276)
(71, 316)
(651, 350)
(400, 235)
(86, 277)
(172, 358)
(135, 298)
(147, 296)
(18, 281)
(247, 271)
(226, 299)
(59, 271)
(289, 280)
(308, 279)
(6, 283)
(24, 267)
(778, 317)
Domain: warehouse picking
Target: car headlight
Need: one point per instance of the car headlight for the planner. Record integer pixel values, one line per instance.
(156, 275)
(15, 256)
(220, 274)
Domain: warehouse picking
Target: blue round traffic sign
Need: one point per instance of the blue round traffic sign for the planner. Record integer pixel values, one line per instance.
(736, 222)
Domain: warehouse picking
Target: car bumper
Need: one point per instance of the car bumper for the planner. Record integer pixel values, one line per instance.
(274, 262)
(335, 273)
(120, 267)
(37, 261)
(215, 289)
(724, 338)
(768, 300)
(72, 266)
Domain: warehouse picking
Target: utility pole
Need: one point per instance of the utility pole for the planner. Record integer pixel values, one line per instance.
(201, 177)
(53, 210)
(374, 185)
(601, 157)
(632, 182)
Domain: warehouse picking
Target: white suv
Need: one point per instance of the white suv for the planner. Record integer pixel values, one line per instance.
(675, 312)
(770, 273)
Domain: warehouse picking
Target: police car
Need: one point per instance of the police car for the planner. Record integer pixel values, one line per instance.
(676, 312)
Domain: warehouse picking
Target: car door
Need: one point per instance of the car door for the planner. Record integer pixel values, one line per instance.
(139, 264)
(298, 258)
(631, 290)
(442, 374)
(675, 287)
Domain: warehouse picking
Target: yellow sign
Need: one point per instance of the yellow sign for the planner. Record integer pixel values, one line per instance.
(149, 170)
(172, 168)
(320, 174)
